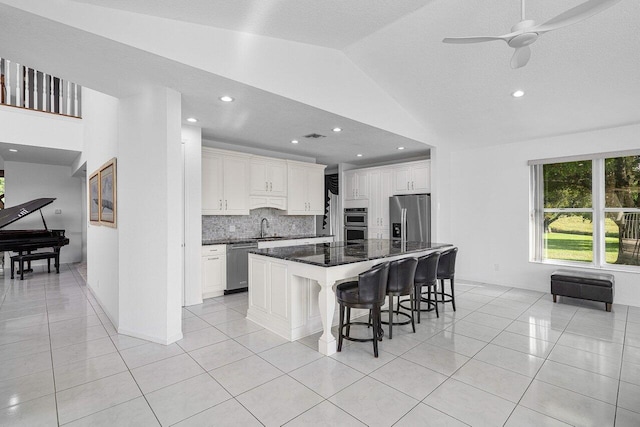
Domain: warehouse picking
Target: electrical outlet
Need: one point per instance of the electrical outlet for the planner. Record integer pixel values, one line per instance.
(232, 228)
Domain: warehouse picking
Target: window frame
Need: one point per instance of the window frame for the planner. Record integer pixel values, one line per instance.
(598, 211)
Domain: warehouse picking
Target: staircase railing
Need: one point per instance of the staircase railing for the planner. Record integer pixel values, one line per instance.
(25, 87)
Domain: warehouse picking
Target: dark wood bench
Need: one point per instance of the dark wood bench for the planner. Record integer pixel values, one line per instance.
(21, 259)
(584, 285)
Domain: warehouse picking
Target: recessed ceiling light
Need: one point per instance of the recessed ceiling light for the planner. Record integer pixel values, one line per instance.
(192, 120)
(358, 155)
(294, 141)
(13, 150)
(226, 98)
(518, 94)
(400, 148)
(337, 129)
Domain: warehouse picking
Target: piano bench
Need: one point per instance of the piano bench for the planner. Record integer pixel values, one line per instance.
(21, 259)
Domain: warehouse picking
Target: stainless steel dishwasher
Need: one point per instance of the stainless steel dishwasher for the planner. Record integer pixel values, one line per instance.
(238, 266)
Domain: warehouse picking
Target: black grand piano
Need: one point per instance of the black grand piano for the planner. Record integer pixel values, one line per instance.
(26, 242)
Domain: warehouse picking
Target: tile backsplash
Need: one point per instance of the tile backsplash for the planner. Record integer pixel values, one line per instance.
(218, 226)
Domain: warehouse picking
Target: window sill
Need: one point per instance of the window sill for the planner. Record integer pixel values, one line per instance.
(609, 267)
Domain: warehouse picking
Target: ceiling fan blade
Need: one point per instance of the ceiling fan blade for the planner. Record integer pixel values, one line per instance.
(574, 15)
(520, 57)
(465, 40)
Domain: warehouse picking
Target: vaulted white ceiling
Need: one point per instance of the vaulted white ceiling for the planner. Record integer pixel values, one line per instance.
(581, 77)
(329, 23)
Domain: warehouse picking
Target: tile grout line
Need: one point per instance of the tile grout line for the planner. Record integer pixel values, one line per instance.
(538, 371)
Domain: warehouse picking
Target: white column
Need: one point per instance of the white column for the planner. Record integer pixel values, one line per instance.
(149, 205)
(192, 140)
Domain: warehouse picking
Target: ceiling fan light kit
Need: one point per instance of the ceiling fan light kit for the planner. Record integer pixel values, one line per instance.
(526, 32)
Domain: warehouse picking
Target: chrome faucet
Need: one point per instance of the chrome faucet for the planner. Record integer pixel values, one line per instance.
(262, 226)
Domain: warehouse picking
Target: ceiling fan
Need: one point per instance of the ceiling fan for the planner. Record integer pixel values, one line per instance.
(526, 31)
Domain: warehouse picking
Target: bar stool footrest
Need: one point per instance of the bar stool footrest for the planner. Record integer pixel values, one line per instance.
(346, 337)
(407, 322)
(430, 304)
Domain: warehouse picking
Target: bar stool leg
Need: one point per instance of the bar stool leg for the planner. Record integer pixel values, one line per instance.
(376, 317)
(417, 293)
(390, 316)
(413, 324)
(453, 298)
(340, 327)
(348, 324)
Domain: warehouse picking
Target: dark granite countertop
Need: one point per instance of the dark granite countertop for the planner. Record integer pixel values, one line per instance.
(339, 253)
(258, 239)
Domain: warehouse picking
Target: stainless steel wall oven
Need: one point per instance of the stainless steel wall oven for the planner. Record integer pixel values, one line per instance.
(355, 223)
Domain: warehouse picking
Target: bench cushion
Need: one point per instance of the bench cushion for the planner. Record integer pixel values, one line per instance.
(584, 278)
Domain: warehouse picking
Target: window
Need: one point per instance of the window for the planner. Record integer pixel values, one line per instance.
(586, 212)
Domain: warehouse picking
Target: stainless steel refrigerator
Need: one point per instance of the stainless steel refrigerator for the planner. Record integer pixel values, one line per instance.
(410, 217)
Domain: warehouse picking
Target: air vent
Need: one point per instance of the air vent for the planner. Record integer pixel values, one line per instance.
(314, 136)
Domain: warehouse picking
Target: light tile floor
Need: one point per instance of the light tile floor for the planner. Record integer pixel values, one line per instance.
(507, 356)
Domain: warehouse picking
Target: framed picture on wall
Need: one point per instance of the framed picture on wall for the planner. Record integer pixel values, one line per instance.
(94, 198)
(108, 194)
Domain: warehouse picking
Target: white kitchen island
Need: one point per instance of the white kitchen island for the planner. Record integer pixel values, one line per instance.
(291, 289)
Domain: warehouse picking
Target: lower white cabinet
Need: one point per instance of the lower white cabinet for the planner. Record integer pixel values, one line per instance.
(214, 270)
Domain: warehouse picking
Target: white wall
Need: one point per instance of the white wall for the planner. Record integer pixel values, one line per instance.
(28, 181)
(26, 127)
(100, 118)
(149, 215)
(489, 213)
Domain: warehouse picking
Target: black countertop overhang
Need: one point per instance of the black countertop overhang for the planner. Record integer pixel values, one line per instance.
(339, 253)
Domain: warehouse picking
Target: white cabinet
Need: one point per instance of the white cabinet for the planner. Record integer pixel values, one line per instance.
(412, 178)
(269, 293)
(268, 177)
(224, 183)
(256, 202)
(381, 181)
(357, 184)
(305, 188)
(214, 270)
(378, 232)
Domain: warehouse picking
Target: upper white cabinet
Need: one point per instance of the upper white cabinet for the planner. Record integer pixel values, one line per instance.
(268, 177)
(225, 180)
(233, 183)
(381, 181)
(305, 188)
(412, 178)
(357, 184)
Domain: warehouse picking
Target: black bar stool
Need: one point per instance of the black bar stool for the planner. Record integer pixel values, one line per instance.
(446, 270)
(401, 277)
(426, 275)
(368, 292)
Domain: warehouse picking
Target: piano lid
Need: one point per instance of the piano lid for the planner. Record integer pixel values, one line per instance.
(14, 213)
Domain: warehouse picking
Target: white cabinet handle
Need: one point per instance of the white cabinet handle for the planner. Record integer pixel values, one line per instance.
(407, 185)
(213, 259)
(220, 204)
(412, 187)
(266, 186)
(225, 205)
(271, 186)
